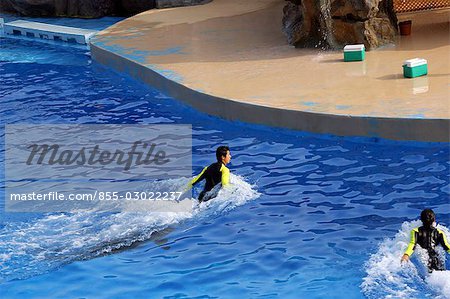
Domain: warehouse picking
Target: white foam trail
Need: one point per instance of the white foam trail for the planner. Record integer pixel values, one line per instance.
(34, 248)
(440, 282)
(387, 278)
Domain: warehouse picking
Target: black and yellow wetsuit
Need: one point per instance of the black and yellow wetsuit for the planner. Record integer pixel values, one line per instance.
(213, 174)
(429, 238)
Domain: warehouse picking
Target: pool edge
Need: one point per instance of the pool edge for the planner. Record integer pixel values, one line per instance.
(402, 129)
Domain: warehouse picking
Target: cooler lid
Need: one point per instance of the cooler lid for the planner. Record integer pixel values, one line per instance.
(349, 48)
(415, 62)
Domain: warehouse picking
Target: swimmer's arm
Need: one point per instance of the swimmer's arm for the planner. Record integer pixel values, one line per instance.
(444, 242)
(197, 179)
(412, 243)
(225, 176)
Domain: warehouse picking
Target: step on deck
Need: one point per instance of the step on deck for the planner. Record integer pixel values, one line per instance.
(48, 32)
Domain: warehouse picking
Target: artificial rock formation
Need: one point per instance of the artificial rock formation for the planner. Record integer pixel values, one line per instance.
(336, 23)
(131, 7)
(175, 3)
(5, 6)
(69, 8)
(89, 8)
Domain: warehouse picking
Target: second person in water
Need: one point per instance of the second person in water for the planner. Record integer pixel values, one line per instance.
(428, 237)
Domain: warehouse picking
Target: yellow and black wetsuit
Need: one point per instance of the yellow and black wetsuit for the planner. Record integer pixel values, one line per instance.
(213, 174)
(428, 238)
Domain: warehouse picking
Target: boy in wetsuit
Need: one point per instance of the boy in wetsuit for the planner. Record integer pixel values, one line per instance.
(428, 236)
(215, 173)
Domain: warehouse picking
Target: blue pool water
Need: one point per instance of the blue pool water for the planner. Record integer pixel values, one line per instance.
(313, 216)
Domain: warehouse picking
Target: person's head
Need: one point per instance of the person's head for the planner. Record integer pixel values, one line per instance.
(428, 217)
(223, 154)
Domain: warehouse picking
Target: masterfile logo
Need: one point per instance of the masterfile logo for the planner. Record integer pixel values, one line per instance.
(116, 167)
(56, 154)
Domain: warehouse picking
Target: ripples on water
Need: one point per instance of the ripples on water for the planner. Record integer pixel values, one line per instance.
(326, 203)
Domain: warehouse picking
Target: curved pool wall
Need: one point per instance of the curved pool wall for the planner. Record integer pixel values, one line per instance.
(116, 48)
(433, 130)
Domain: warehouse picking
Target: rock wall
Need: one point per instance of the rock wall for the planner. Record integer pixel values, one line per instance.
(89, 8)
(132, 7)
(336, 23)
(175, 3)
(5, 6)
(65, 8)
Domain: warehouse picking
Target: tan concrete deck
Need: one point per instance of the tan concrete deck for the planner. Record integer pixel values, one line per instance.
(229, 58)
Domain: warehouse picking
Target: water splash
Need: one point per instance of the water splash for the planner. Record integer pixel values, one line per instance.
(29, 249)
(388, 278)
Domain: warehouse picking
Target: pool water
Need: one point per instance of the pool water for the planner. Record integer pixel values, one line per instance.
(312, 216)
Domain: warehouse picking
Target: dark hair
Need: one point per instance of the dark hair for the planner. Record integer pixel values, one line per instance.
(428, 217)
(221, 151)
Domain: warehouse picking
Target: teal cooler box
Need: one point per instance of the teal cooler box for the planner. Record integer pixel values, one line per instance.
(354, 52)
(415, 68)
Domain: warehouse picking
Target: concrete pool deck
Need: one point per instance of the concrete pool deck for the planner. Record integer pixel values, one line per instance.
(229, 58)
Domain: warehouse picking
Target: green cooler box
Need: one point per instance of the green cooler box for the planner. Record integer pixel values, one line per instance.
(354, 52)
(415, 68)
